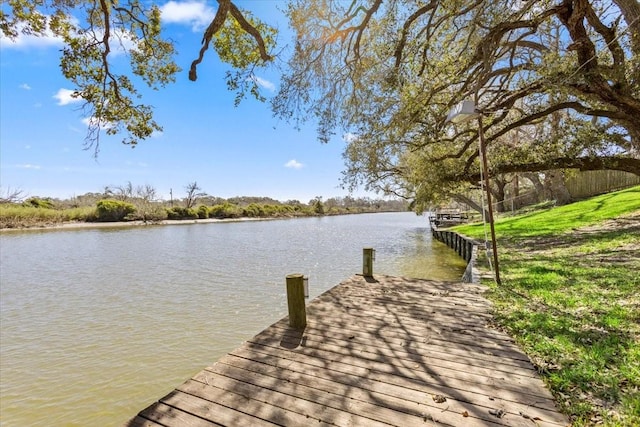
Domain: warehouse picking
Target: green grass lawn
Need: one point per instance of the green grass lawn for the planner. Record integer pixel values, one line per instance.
(571, 298)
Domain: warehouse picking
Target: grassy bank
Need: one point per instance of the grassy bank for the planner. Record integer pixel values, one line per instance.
(45, 214)
(17, 216)
(571, 298)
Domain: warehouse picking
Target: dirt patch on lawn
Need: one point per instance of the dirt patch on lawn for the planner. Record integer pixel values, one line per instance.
(609, 229)
(629, 222)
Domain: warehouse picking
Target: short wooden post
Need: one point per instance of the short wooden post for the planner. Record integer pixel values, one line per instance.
(367, 262)
(295, 301)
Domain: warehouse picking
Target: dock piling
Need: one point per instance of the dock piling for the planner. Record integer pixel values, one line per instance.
(295, 301)
(368, 256)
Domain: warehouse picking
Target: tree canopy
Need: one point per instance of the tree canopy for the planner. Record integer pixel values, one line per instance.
(92, 31)
(557, 83)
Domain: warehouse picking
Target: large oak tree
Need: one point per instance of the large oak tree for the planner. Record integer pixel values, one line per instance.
(557, 82)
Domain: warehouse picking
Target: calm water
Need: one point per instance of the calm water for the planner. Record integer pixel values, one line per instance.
(97, 324)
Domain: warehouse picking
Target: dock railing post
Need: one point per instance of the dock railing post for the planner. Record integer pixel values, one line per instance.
(295, 301)
(368, 255)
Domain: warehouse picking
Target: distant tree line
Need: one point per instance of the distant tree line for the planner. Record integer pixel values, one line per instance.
(129, 202)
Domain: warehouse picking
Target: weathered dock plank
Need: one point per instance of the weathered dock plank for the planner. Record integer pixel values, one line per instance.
(375, 352)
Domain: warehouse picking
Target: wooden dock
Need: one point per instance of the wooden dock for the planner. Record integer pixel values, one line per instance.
(376, 352)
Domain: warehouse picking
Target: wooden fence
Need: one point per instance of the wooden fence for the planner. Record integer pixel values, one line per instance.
(591, 183)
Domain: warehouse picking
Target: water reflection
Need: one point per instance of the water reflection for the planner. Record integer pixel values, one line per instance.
(96, 324)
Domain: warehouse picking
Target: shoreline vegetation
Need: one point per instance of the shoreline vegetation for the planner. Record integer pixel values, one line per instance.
(569, 297)
(70, 225)
(122, 210)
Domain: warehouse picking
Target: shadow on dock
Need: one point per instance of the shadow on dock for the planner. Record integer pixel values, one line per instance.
(387, 351)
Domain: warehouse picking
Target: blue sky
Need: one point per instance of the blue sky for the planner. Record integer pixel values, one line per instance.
(230, 151)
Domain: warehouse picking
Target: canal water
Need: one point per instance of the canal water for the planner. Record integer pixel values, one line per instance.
(96, 324)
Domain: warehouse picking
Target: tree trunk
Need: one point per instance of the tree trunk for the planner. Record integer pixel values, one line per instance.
(631, 11)
(537, 184)
(498, 193)
(516, 193)
(556, 190)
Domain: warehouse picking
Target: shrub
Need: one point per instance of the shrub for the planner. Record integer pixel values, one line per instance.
(226, 210)
(290, 210)
(172, 213)
(203, 212)
(39, 203)
(270, 210)
(216, 211)
(157, 214)
(149, 212)
(179, 212)
(113, 210)
(335, 210)
(85, 213)
(318, 207)
(253, 211)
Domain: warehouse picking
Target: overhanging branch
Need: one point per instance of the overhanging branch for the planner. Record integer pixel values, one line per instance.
(626, 164)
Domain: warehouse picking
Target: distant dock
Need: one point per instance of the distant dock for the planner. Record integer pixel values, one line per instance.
(376, 351)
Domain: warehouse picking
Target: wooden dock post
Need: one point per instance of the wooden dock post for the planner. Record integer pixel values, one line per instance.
(295, 301)
(368, 255)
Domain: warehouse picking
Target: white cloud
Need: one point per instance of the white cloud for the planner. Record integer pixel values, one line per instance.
(264, 83)
(92, 121)
(350, 137)
(293, 164)
(23, 41)
(64, 97)
(122, 41)
(194, 13)
(25, 86)
(136, 164)
(28, 166)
